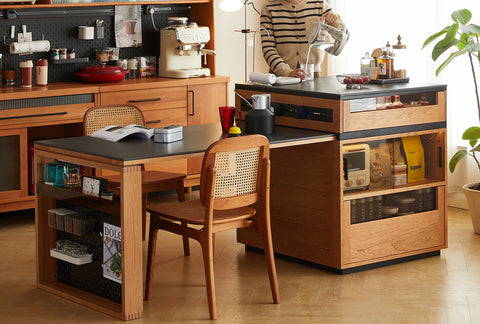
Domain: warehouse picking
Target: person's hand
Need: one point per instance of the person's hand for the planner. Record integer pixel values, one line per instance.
(298, 73)
(330, 18)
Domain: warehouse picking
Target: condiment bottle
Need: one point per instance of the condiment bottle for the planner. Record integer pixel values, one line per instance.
(41, 71)
(132, 68)
(367, 65)
(385, 66)
(397, 103)
(26, 71)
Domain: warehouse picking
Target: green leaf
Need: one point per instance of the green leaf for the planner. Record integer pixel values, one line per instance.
(471, 133)
(455, 159)
(471, 29)
(448, 60)
(472, 47)
(435, 36)
(451, 33)
(463, 16)
(441, 47)
(476, 149)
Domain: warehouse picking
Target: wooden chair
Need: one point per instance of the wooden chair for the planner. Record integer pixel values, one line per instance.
(98, 117)
(235, 174)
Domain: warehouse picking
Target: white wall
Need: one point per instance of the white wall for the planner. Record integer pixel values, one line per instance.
(372, 23)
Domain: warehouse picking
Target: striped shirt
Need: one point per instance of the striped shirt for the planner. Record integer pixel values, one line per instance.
(286, 45)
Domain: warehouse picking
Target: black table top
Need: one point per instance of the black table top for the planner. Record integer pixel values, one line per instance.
(329, 88)
(196, 139)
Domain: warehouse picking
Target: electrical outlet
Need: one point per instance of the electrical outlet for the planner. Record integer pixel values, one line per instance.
(24, 38)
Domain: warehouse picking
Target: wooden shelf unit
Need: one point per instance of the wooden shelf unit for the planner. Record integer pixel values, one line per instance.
(311, 212)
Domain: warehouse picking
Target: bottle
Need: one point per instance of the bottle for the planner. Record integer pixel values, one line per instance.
(367, 65)
(63, 54)
(55, 54)
(385, 66)
(71, 53)
(41, 71)
(397, 103)
(26, 71)
(132, 68)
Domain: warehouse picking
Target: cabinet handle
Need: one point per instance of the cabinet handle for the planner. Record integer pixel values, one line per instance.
(38, 115)
(153, 121)
(193, 103)
(145, 100)
(345, 168)
(440, 157)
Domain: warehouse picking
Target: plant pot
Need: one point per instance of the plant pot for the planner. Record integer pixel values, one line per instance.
(473, 200)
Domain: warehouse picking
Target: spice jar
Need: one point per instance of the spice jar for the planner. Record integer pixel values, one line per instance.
(71, 53)
(55, 54)
(63, 53)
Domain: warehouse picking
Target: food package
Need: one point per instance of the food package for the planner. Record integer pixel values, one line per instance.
(413, 150)
(381, 166)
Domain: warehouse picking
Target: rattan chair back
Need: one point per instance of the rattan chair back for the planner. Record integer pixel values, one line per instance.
(99, 117)
(238, 171)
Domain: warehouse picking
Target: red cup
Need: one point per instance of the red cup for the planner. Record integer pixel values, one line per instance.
(227, 117)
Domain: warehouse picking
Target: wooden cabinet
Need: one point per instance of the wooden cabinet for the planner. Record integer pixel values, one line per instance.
(324, 212)
(57, 111)
(203, 103)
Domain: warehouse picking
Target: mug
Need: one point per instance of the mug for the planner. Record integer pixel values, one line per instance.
(227, 117)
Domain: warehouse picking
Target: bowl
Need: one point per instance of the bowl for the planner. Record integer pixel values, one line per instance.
(353, 81)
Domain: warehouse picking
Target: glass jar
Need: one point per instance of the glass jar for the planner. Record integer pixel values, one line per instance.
(63, 53)
(71, 53)
(55, 54)
(400, 55)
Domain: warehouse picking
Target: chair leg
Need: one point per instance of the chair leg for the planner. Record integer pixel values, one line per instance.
(181, 197)
(269, 257)
(207, 250)
(152, 247)
(186, 245)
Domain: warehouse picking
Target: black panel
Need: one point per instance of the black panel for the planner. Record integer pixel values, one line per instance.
(60, 27)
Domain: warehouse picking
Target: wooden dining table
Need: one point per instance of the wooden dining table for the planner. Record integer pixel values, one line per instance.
(126, 157)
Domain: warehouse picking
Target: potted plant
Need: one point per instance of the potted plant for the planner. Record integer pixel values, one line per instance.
(464, 39)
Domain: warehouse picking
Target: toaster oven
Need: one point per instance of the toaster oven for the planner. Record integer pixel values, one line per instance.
(356, 166)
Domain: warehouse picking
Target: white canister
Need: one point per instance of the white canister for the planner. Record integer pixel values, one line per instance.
(86, 32)
(122, 63)
(132, 68)
(41, 71)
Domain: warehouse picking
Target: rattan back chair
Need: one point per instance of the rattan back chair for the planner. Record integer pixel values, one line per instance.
(99, 117)
(235, 174)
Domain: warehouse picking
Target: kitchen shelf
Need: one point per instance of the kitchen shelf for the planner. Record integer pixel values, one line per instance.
(70, 259)
(70, 61)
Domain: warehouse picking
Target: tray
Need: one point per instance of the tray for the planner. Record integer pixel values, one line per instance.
(389, 81)
(2, 2)
(78, 261)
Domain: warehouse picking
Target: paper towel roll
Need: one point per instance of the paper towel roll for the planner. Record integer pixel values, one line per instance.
(30, 47)
(268, 78)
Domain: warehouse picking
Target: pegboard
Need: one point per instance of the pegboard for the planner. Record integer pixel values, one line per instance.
(62, 32)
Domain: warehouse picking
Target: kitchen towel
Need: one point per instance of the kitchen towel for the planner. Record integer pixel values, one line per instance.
(267, 78)
(29, 47)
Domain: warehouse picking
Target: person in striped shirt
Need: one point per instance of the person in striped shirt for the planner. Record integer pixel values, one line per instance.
(289, 24)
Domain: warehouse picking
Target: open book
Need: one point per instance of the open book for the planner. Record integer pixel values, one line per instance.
(115, 133)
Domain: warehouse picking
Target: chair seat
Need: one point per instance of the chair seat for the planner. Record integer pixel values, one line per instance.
(151, 180)
(193, 212)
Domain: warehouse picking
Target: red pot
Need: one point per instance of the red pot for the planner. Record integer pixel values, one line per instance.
(102, 73)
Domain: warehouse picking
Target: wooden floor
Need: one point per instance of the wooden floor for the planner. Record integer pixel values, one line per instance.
(441, 289)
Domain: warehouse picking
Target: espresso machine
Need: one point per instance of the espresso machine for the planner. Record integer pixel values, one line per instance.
(182, 48)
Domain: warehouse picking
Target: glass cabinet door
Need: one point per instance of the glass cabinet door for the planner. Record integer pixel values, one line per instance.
(13, 162)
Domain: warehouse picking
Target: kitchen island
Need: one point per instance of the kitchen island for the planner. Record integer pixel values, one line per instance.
(346, 214)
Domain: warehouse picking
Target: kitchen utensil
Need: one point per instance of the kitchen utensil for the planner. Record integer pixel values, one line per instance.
(353, 81)
(227, 117)
(340, 36)
(260, 119)
(102, 73)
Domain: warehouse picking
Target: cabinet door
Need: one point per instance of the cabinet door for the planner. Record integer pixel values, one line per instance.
(203, 103)
(13, 159)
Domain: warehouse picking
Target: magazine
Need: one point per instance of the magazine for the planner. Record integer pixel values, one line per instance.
(112, 252)
(115, 133)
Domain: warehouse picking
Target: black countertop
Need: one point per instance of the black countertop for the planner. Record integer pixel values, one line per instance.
(329, 88)
(196, 140)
